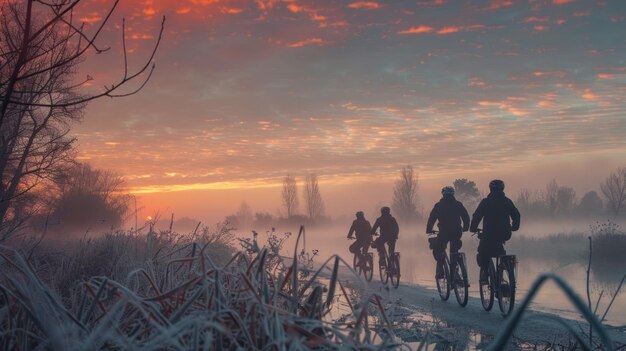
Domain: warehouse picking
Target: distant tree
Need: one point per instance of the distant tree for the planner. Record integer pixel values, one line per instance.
(263, 220)
(614, 190)
(530, 203)
(405, 197)
(290, 195)
(313, 198)
(551, 197)
(565, 199)
(89, 198)
(467, 192)
(590, 204)
(244, 215)
(41, 46)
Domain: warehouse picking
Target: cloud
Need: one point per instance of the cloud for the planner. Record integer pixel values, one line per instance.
(498, 4)
(366, 5)
(417, 30)
(310, 41)
(562, 2)
(449, 30)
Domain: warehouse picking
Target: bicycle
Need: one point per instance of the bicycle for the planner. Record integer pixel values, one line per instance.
(389, 268)
(501, 282)
(458, 280)
(366, 267)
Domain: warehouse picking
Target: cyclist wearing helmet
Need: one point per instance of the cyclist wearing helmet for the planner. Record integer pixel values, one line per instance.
(388, 233)
(448, 213)
(500, 217)
(361, 228)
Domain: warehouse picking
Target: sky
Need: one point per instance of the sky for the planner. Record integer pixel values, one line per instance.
(247, 91)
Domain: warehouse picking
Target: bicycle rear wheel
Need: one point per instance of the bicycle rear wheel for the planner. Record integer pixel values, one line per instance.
(395, 270)
(368, 269)
(460, 282)
(506, 295)
(486, 288)
(383, 271)
(443, 283)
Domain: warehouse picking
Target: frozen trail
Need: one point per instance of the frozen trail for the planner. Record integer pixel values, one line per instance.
(536, 326)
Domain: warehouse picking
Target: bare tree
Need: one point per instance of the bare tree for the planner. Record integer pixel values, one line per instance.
(290, 195)
(313, 198)
(614, 189)
(405, 198)
(41, 45)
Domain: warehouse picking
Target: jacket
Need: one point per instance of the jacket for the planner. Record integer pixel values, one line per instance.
(361, 228)
(388, 227)
(499, 215)
(449, 213)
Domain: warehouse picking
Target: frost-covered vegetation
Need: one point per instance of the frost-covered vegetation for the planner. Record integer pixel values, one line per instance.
(124, 292)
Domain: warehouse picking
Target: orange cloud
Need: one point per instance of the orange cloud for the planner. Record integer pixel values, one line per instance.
(149, 11)
(310, 41)
(231, 11)
(606, 76)
(417, 30)
(93, 17)
(367, 5)
(449, 30)
(561, 2)
(541, 28)
(496, 4)
(590, 96)
(183, 10)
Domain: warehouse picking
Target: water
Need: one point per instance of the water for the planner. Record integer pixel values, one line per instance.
(418, 266)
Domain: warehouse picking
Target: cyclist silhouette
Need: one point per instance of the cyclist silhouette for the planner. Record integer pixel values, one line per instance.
(448, 213)
(362, 229)
(388, 233)
(500, 217)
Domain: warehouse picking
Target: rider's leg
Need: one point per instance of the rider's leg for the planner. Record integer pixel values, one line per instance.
(438, 251)
(379, 244)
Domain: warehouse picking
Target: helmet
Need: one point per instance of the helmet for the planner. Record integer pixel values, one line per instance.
(385, 210)
(447, 190)
(360, 214)
(496, 184)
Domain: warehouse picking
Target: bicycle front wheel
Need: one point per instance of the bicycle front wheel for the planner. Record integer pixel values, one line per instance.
(395, 271)
(486, 288)
(460, 282)
(443, 284)
(355, 263)
(506, 295)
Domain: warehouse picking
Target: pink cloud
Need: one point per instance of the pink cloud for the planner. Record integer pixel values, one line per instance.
(561, 2)
(310, 41)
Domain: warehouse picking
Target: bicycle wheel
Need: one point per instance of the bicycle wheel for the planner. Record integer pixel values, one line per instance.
(460, 281)
(368, 270)
(382, 270)
(355, 263)
(395, 270)
(443, 284)
(506, 295)
(486, 288)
